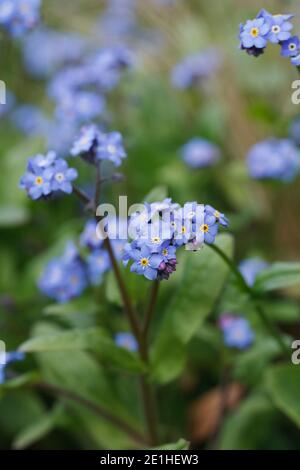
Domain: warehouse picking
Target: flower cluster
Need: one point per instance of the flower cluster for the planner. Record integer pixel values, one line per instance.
(195, 68)
(19, 16)
(250, 268)
(46, 175)
(93, 146)
(276, 29)
(275, 159)
(159, 229)
(200, 153)
(236, 331)
(67, 276)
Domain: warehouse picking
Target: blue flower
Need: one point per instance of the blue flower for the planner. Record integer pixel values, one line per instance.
(219, 216)
(86, 144)
(63, 176)
(30, 120)
(206, 229)
(89, 237)
(237, 332)
(145, 263)
(276, 159)
(250, 268)
(290, 47)
(36, 181)
(46, 174)
(296, 60)
(18, 16)
(253, 35)
(9, 357)
(65, 277)
(127, 341)
(110, 147)
(199, 153)
(280, 26)
(98, 263)
(195, 68)
(167, 251)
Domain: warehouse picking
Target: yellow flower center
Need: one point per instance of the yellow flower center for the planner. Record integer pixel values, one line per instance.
(217, 214)
(204, 228)
(183, 229)
(165, 252)
(144, 262)
(39, 180)
(292, 47)
(254, 32)
(156, 240)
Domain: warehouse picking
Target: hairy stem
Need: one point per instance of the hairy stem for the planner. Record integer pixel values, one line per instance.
(150, 309)
(148, 395)
(247, 289)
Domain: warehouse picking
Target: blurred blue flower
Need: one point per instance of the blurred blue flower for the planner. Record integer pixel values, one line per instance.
(30, 120)
(80, 106)
(250, 268)
(47, 174)
(18, 16)
(290, 47)
(237, 332)
(110, 147)
(98, 263)
(195, 68)
(127, 341)
(65, 277)
(7, 107)
(89, 237)
(10, 357)
(294, 130)
(276, 159)
(52, 49)
(200, 153)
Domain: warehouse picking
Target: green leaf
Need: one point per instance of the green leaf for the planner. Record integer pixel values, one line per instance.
(182, 444)
(79, 372)
(81, 305)
(283, 384)
(278, 276)
(159, 193)
(38, 429)
(11, 215)
(89, 339)
(250, 426)
(202, 281)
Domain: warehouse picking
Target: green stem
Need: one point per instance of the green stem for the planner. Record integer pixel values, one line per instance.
(150, 309)
(247, 289)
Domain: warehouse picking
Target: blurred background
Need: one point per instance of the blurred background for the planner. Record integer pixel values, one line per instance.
(238, 101)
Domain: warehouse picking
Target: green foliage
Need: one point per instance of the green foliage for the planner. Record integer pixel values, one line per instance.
(283, 382)
(278, 276)
(203, 278)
